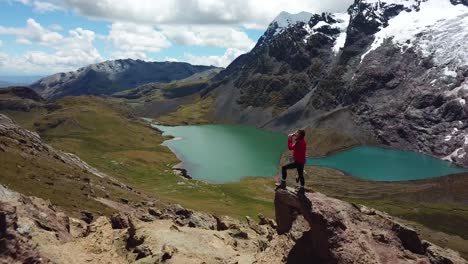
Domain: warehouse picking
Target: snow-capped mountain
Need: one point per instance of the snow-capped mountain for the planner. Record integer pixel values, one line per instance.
(113, 76)
(392, 70)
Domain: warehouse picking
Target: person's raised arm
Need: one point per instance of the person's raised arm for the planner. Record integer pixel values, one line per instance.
(290, 142)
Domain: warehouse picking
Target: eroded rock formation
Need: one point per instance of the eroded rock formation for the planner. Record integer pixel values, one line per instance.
(339, 232)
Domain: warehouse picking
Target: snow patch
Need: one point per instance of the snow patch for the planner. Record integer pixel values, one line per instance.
(321, 24)
(285, 20)
(405, 3)
(407, 25)
(452, 134)
(342, 25)
(450, 73)
(446, 41)
(459, 153)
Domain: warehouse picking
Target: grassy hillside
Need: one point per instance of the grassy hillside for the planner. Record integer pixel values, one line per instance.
(107, 136)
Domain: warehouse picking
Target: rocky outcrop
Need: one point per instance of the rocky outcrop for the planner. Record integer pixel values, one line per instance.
(14, 243)
(113, 76)
(33, 231)
(338, 232)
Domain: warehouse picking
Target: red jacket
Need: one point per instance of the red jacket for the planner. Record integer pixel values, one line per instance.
(299, 150)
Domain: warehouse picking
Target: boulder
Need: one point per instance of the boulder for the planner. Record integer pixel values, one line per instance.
(342, 233)
(87, 217)
(225, 223)
(119, 221)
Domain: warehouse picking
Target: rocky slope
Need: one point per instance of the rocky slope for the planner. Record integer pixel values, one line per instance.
(393, 70)
(36, 231)
(332, 231)
(113, 76)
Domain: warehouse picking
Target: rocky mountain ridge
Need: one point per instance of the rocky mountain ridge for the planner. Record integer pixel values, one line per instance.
(307, 73)
(109, 77)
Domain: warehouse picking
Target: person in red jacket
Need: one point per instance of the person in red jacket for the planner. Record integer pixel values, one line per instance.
(299, 153)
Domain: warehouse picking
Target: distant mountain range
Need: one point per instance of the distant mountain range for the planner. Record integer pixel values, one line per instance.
(113, 76)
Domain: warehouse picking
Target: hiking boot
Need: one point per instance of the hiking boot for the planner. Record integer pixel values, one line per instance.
(301, 191)
(281, 185)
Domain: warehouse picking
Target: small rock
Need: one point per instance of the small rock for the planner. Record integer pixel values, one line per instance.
(142, 251)
(24, 229)
(119, 221)
(87, 217)
(149, 203)
(146, 218)
(249, 220)
(168, 252)
(179, 210)
(263, 220)
(237, 233)
(123, 200)
(154, 212)
(225, 223)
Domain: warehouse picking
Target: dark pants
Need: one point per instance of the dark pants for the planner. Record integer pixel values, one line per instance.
(294, 165)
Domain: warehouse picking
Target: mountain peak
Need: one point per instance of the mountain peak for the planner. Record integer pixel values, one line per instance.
(285, 20)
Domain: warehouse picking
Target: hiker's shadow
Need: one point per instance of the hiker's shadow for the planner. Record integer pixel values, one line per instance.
(310, 249)
(305, 201)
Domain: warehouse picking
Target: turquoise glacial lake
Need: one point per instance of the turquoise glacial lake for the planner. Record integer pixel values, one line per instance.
(226, 153)
(381, 164)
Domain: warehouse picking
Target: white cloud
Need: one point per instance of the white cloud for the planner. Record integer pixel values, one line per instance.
(56, 27)
(33, 32)
(68, 52)
(1, 43)
(23, 41)
(135, 41)
(249, 13)
(209, 36)
(44, 7)
(220, 61)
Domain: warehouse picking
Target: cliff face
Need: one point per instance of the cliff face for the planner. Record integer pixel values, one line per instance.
(328, 230)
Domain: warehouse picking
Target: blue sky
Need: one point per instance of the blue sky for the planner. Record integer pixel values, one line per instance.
(40, 37)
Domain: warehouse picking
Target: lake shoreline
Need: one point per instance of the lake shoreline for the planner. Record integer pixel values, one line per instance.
(224, 153)
(182, 165)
